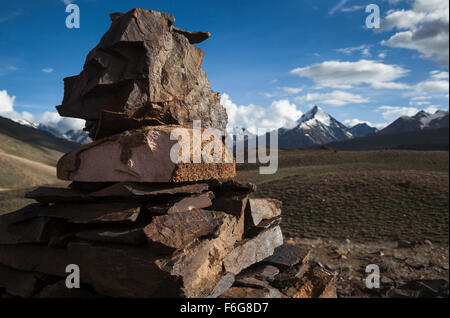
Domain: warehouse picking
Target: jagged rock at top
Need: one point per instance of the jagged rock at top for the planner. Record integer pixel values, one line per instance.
(144, 71)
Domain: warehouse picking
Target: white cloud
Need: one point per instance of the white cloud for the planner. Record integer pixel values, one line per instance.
(62, 124)
(280, 113)
(47, 70)
(433, 86)
(51, 119)
(382, 55)
(439, 75)
(6, 102)
(336, 73)
(419, 103)
(283, 92)
(292, 90)
(352, 8)
(363, 49)
(393, 112)
(334, 98)
(424, 28)
(337, 7)
(390, 85)
(356, 121)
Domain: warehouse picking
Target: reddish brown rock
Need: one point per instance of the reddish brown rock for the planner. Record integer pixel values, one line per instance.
(18, 283)
(263, 225)
(59, 290)
(35, 258)
(200, 265)
(225, 282)
(185, 204)
(146, 70)
(257, 276)
(36, 230)
(145, 192)
(130, 236)
(57, 195)
(233, 204)
(231, 186)
(86, 213)
(316, 283)
(26, 213)
(248, 292)
(288, 255)
(253, 250)
(143, 156)
(262, 209)
(176, 230)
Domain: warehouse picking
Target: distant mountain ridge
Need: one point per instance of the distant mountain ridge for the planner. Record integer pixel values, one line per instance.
(78, 136)
(421, 120)
(363, 129)
(35, 136)
(423, 131)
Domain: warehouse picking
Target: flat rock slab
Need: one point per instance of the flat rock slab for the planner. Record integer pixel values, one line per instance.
(253, 250)
(146, 192)
(36, 230)
(86, 213)
(263, 225)
(144, 155)
(288, 255)
(257, 276)
(225, 283)
(56, 195)
(262, 209)
(176, 230)
(132, 236)
(59, 290)
(18, 283)
(201, 201)
(26, 213)
(232, 186)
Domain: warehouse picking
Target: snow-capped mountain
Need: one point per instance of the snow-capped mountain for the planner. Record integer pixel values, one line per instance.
(361, 130)
(78, 136)
(420, 121)
(315, 127)
(25, 122)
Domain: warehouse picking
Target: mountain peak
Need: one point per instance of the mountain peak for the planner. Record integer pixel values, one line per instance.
(316, 114)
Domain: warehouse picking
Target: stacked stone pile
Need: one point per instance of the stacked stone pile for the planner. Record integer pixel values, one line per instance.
(135, 223)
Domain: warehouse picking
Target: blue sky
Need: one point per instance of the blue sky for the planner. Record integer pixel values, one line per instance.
(270, 60)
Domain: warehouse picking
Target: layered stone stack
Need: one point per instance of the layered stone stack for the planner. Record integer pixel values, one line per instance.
(135, 223)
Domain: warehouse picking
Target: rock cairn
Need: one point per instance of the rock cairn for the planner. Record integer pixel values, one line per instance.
(135, 223)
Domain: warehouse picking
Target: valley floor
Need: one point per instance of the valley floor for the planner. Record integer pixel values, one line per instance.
(389, 208)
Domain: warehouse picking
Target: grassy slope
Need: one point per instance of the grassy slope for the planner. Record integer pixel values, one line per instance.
(363, 196)
(27, 159)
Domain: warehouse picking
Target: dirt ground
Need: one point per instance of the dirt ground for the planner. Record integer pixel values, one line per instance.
(407, 269)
